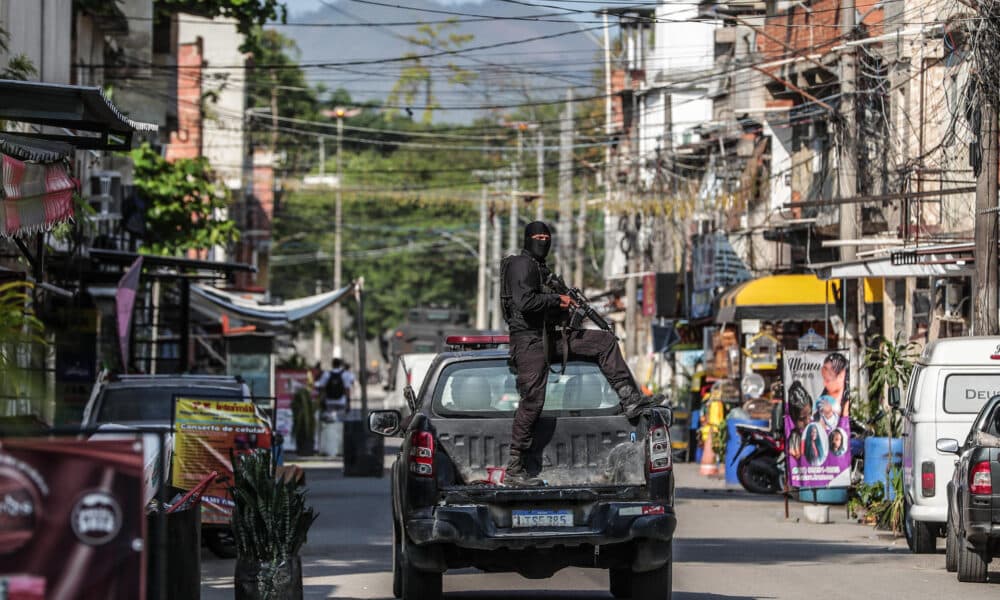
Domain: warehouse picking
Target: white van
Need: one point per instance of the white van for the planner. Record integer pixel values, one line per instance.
(951, 381)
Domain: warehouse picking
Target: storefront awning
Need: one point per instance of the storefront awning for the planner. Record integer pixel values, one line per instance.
(94, 123)
(786, 297)
(210, 299)
(953, 260)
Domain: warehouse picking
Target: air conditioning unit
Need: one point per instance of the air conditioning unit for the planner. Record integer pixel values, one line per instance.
(106, 194)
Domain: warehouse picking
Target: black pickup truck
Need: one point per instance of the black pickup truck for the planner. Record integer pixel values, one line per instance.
(973, 528)
(608, 498)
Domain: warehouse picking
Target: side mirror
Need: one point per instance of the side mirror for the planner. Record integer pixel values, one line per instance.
(411, 397)
(948, 446)
(894, 397)
(385, 422)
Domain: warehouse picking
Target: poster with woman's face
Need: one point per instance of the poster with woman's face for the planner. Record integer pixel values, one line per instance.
(817, 425)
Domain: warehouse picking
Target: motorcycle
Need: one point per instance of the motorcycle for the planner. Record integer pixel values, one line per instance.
(763, 470)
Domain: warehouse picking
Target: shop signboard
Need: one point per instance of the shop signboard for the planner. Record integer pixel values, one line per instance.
(287, 382)
(72, 520)
(207, 432)
(817, 423)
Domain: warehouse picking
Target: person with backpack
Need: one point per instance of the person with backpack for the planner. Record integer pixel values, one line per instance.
(332, 388)
(334, 398)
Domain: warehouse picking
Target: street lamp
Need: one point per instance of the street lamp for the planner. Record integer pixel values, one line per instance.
(339, 113)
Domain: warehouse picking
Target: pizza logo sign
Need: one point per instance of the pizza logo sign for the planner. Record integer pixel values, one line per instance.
(96, 518)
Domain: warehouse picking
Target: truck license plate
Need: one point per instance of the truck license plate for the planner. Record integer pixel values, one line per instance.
(542, 518)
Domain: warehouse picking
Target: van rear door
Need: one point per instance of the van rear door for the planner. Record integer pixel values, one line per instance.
(963, 392)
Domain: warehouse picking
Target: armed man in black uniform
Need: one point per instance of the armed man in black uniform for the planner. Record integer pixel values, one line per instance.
(532, 315)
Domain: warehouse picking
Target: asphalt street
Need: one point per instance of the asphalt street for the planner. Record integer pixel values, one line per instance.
(729, 545)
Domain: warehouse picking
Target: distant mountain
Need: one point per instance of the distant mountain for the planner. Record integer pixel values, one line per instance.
(536, 70)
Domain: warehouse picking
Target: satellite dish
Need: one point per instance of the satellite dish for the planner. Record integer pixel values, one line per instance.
(753, 385)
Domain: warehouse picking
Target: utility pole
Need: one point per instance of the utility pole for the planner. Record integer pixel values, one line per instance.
(515, 189)
(985, 317)
(481, 275)
(540, 146)
(609, 236)
(565, 183)
(495, 320)
(338, 232)
(340, 114)
(322, 155)
(847, 171)
(581, 240)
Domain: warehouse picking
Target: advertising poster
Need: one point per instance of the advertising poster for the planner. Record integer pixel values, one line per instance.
(206, 432)
(72, 521)
(287, 382)
(817, 423)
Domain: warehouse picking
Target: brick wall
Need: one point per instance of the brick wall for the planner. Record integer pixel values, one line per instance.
(814, 32)
(186, 141)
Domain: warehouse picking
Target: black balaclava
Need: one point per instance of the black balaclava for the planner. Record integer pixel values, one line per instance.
(538, 249)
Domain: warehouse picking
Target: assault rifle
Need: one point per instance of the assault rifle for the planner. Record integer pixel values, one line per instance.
(582, 309)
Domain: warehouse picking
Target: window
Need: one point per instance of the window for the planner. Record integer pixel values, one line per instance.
(488, 387)
(967, 393)
(151, 404)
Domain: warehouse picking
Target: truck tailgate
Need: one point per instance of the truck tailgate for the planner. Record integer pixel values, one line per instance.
(573, 450)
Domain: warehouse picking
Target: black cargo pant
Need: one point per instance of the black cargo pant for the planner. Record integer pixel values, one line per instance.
(528, 354)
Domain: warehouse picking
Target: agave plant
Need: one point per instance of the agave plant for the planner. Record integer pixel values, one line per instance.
(270, 522)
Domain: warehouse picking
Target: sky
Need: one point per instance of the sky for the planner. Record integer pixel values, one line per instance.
(296, 7)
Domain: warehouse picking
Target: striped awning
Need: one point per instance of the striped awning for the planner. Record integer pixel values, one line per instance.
(35, 196)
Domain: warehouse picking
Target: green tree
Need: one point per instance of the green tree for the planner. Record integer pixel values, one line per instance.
(18, 66)
(250, 15)
(417, 75)
(183, 203)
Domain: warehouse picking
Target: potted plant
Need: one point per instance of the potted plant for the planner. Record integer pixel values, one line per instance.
(270, 523)
(304, 422)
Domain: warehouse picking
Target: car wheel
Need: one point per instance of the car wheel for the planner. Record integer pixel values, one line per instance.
(950, 548)
(971, 565)
(417, 584)
(652, 585)
(920, 536)
(220, 541)
(621, 582)
(397, 566)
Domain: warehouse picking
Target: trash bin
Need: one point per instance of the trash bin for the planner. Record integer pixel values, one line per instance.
(363, 451)
(823, 495)
(877, 461)
(733, 445)
(183, 552)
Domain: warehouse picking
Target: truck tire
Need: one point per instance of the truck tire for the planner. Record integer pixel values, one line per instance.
(620, 582)
(417, 584)
(220, 541)
(397, 566)
(652, 585)
(971, 565)
(921, 537)
(950, 548)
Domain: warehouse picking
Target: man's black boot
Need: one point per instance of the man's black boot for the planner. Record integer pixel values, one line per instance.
(517, 475)
(634, 404)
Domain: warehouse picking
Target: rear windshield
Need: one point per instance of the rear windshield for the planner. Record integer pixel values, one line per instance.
(487, 388)
(967, 393)
(151, 404)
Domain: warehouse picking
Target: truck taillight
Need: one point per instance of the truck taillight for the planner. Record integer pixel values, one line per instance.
(659, 450)
(928, 481)
(422, 454)
(980, 481)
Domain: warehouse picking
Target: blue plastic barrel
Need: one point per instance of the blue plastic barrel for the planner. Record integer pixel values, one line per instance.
(877, 461)
(823, 495)
(733, 444)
